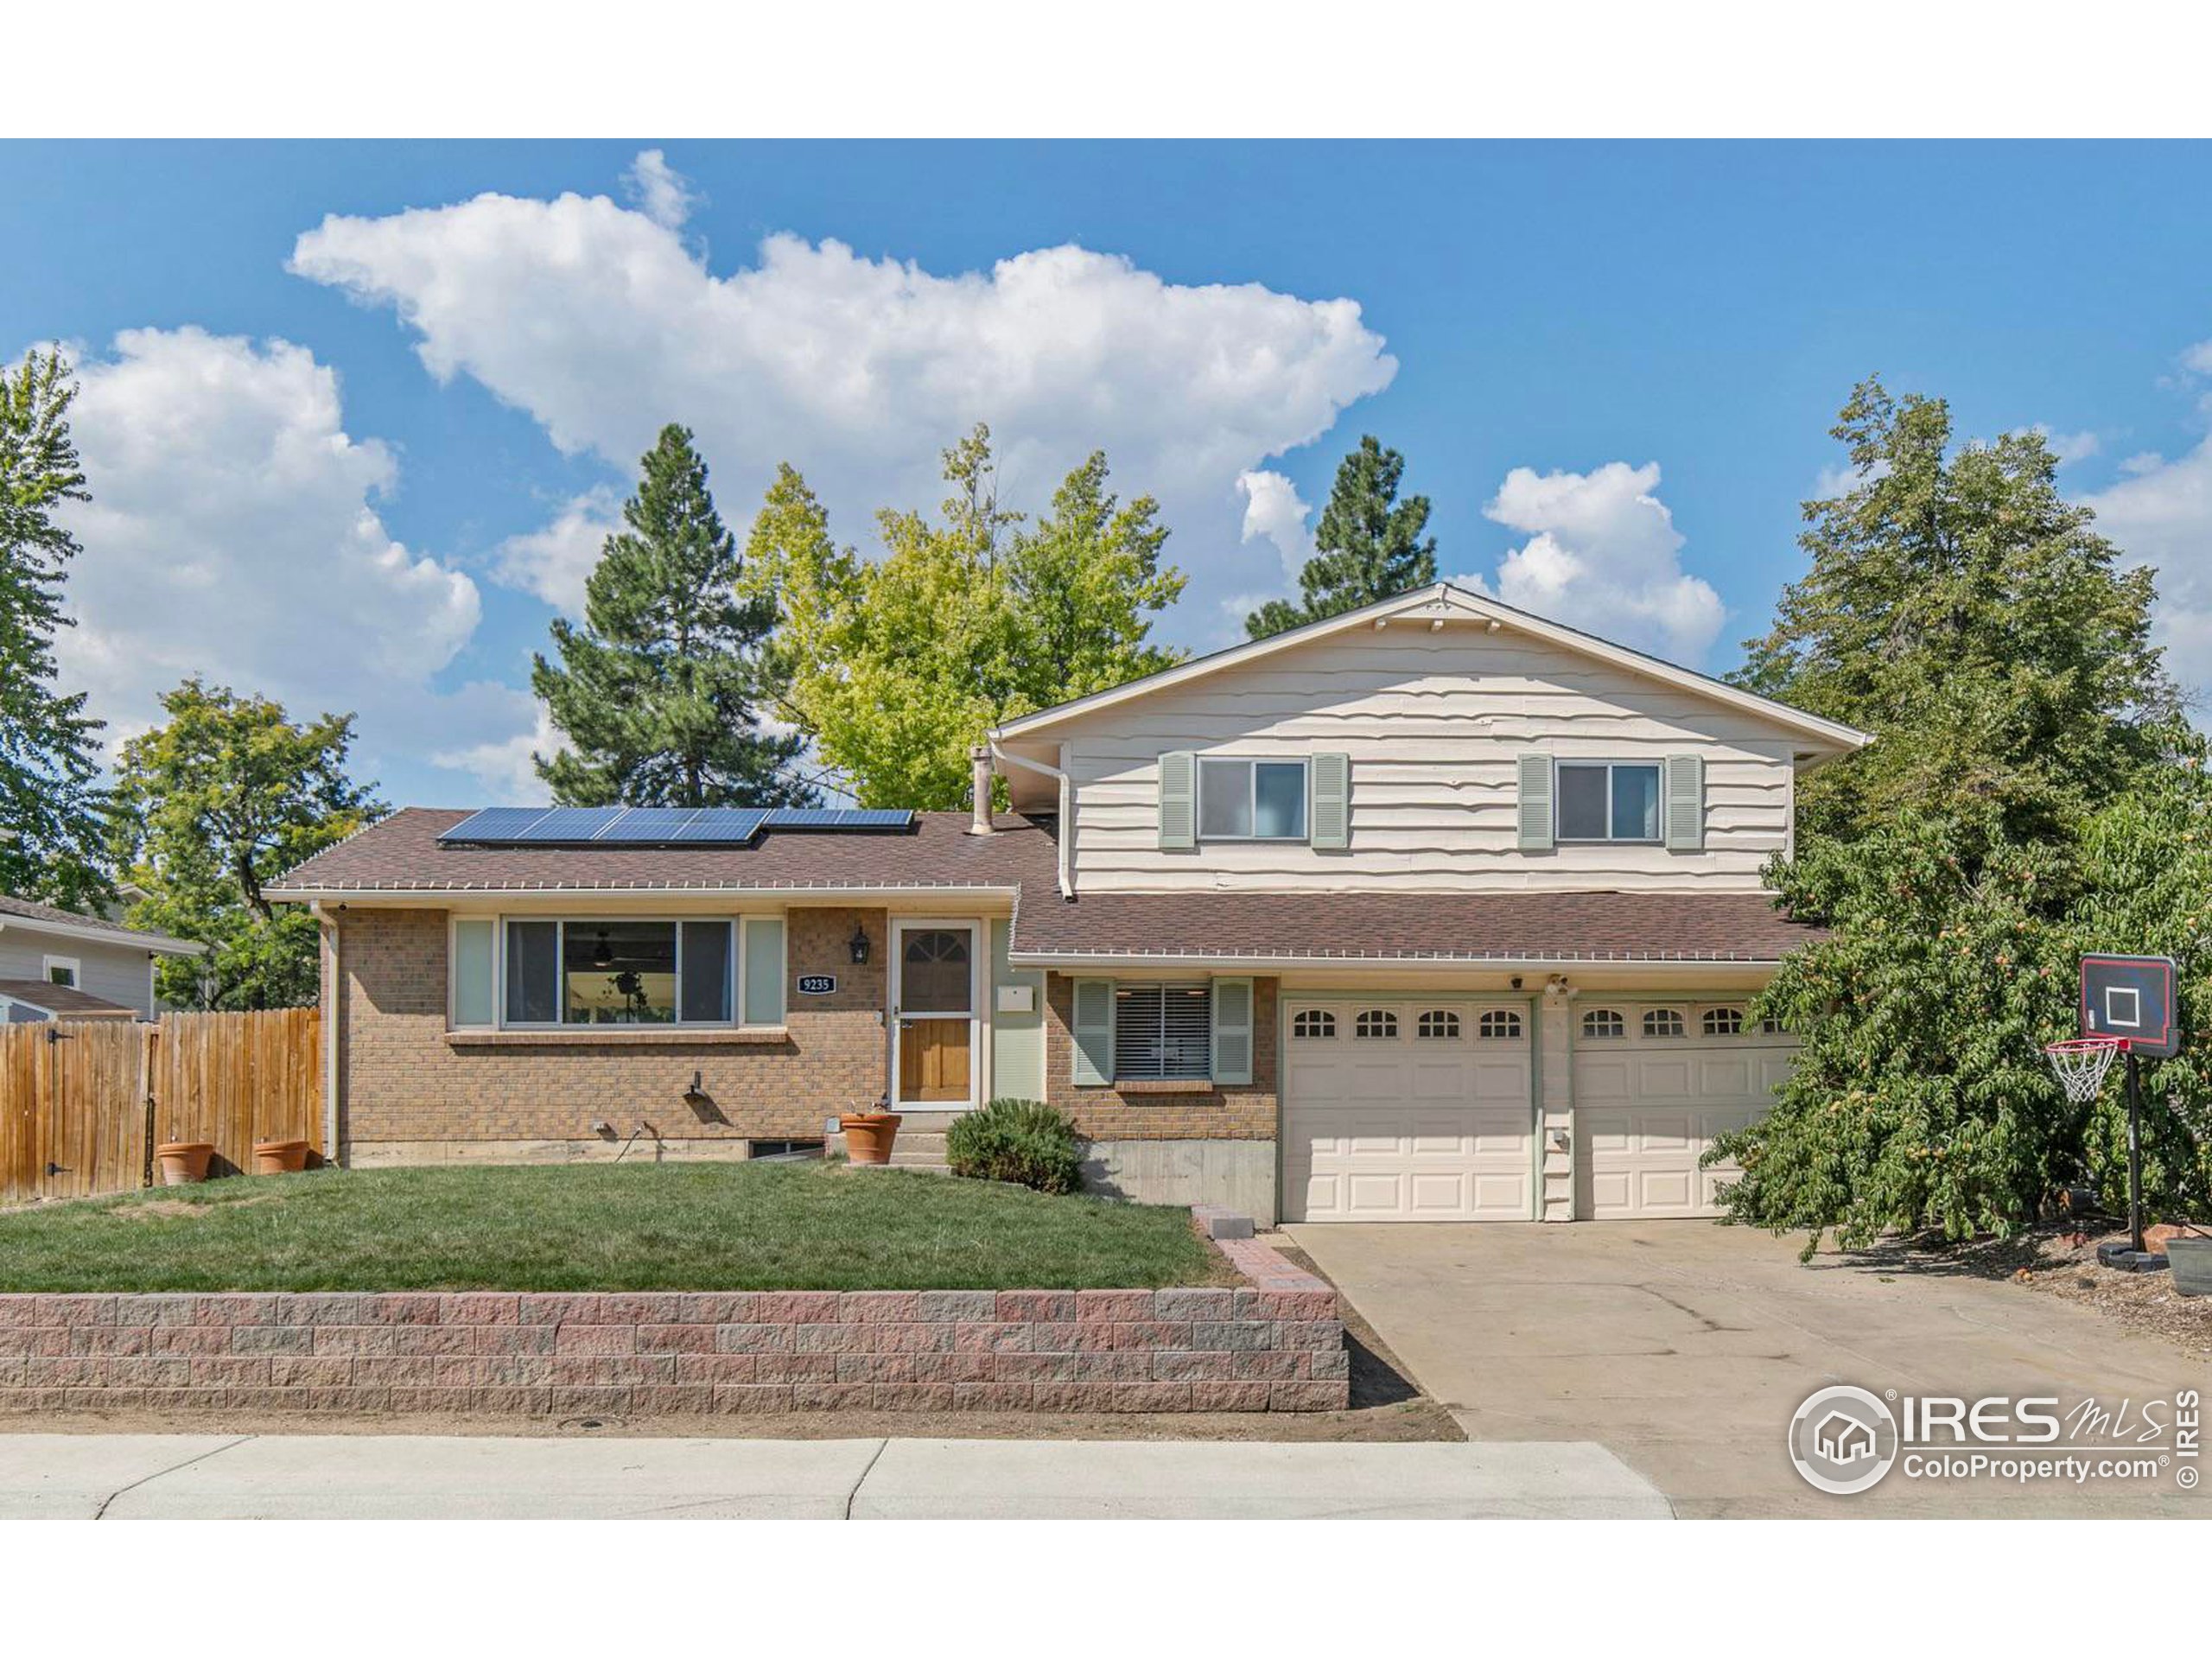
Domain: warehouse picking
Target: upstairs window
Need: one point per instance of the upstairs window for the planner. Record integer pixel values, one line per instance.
(62, 971)
(1251, 800)
(1163, 1032)
(1608, 801)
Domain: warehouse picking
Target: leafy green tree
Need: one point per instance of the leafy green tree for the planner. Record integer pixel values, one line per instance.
(50, 802)
(895, 667)
(2146, 878)
(657, 690)
(212, 806)
(2029, 794)
(1920, 1096)
(1961, 609)
(1368, 546)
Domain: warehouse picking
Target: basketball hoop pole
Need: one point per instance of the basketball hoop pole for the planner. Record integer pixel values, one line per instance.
(2134, 1153)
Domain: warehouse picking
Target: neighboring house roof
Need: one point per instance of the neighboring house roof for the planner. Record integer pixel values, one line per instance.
(1437, 602)
(1403, 927)
(63, 1001)
(68, 924)
(402, 854)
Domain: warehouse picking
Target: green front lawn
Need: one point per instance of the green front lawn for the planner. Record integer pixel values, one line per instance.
(639, 1227)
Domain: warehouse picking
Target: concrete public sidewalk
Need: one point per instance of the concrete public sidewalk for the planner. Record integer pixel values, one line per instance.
(201, 1477)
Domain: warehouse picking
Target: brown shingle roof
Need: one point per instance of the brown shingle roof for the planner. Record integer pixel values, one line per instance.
(64, 1002)
(402, 853)
(1409, 926)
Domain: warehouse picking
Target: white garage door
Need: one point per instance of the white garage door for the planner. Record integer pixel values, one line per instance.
(1653, 1084)
(1407, 1109)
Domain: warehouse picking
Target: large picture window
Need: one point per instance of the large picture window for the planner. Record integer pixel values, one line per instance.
(1163, 1032)
(1251, 800)
(1608, 801)
(617, 973)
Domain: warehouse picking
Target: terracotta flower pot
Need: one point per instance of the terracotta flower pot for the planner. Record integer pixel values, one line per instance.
(868, 1135)
(184, 1162)
(279, 1157)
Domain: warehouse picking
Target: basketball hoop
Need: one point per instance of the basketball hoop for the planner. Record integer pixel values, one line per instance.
(2081, 1064)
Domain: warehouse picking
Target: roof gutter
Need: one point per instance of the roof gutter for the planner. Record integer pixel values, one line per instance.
(1063, 841)
(159, 944)
(402, 896)
(1106, 961)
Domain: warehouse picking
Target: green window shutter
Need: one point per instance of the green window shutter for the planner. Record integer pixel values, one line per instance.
(1536, 804)
(473, 953)
(1685, 803)
(1232, 1031)
(1179, 804)
(1094, 1031)
(1329, 824)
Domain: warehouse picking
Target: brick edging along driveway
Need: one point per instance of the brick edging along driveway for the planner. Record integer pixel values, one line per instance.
(1275, 1343)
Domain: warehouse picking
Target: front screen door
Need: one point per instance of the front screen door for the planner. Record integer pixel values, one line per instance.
(935, 1001)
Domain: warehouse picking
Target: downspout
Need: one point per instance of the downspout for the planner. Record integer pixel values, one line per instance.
(1066, 838)
(332, 997)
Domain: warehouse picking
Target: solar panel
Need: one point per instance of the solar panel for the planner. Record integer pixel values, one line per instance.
(720, 823)
(658, 826)
(494, 823)
(570, 823)
(647, 823)
(839, 817)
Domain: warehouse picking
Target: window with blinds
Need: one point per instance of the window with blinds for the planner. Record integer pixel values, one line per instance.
(1163, 1032)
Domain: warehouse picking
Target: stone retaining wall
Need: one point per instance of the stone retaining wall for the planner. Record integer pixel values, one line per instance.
(1276, 1344)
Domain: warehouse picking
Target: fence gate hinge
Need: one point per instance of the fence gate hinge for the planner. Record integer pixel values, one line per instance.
(52, 1169)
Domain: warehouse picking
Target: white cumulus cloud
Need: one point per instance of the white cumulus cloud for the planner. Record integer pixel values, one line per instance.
(664, 195)
(1603, 555)
(1273, 513)
(234, 533)
(554, 562)
(2162, 515)
(601, 324)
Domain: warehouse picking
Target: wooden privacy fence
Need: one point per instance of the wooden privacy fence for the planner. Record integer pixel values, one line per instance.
(84, 1102)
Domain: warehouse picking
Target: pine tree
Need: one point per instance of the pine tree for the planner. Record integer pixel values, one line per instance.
(1368, 546)
(656, 691)
(50, 805)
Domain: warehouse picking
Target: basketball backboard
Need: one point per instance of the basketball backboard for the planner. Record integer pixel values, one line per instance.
(2130, 997)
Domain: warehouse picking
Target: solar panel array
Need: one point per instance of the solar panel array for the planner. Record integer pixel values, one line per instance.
(656, 826)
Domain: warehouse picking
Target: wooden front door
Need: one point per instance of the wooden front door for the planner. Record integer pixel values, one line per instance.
(936, 1014)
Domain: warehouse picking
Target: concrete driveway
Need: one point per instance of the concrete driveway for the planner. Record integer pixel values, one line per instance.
(1684, 1348)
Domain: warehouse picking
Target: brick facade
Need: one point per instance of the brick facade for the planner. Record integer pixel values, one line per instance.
(1276, 1344)
(409, 1083)
(1243, 1112)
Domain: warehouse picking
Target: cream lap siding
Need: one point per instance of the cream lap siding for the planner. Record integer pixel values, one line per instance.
(1434, 725)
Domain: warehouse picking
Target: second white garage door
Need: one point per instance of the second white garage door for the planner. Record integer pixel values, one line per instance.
(1654, 1084)
(1406, 1109)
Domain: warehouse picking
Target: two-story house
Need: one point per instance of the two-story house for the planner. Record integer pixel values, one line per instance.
(1434, 911)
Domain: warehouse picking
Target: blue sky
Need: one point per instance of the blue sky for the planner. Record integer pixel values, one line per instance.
(359, 465)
